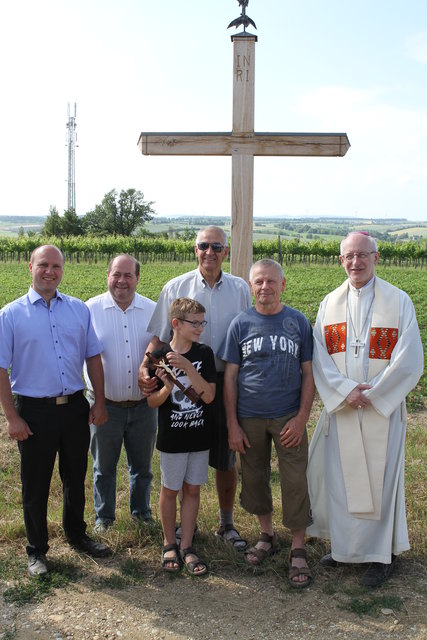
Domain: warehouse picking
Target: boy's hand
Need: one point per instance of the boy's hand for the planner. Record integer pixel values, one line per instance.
(163, 376)
(179, 361)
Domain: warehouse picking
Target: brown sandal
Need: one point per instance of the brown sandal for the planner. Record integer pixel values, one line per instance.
(294, 572)
(262, 554)
(192, 565)
(174, 560)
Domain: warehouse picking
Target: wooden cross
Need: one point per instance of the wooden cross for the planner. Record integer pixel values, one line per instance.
(243, 144)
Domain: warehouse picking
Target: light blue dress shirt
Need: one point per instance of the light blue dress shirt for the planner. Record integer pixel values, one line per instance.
(45, 346)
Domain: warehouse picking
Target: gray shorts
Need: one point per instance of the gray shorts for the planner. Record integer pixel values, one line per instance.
(191, 467)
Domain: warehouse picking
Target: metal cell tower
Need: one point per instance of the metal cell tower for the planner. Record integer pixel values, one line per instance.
(71, 143)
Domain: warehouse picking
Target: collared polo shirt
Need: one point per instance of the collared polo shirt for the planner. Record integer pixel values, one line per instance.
(228, 297)
(124, 338)
(45, 346)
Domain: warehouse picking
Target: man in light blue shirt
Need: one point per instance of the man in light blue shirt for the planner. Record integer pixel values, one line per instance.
(45, 336)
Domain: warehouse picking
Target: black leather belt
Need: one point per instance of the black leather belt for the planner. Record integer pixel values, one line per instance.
(125, 404)
(58, 400)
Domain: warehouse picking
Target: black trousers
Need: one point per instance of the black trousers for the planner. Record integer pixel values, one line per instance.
(62, 430)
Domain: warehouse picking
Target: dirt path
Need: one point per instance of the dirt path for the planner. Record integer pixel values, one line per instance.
(229, 603)
(105, 602)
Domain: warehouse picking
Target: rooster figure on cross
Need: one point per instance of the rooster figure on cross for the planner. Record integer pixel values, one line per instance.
(243, 19)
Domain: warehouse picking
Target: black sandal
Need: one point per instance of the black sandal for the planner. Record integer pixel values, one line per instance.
(193, 564)
(234, 538)
(176, 560)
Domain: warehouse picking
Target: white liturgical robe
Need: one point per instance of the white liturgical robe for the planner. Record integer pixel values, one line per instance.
(381, 530)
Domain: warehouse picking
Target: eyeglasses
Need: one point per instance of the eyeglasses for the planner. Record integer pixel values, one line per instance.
(196, 324)
(217, 247)
(349, 257)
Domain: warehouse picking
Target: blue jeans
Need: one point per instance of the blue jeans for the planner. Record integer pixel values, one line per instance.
(136, 429)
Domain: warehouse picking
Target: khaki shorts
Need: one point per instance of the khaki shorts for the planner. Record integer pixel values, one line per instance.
(256, 471)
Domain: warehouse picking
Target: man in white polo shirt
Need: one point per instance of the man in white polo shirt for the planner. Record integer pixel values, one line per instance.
(120, 317)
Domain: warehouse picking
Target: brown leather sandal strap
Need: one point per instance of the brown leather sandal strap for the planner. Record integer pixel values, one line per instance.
(298, 553)
(264, 537)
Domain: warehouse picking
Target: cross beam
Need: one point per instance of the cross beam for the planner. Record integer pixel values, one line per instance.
(243, 143)
(256, 144)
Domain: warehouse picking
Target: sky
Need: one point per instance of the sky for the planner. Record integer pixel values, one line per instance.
(162, 65)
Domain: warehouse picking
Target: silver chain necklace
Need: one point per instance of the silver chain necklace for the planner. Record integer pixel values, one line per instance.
(356, 343)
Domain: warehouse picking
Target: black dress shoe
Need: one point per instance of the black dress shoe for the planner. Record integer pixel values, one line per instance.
(377, 573)
(92, 548)
(37, 565)
(328, 561)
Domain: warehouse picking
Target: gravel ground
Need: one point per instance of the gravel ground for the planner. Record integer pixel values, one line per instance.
(231, 602)
(228, 603)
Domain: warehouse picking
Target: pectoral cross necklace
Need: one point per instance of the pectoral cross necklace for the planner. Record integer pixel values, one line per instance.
(356, 343)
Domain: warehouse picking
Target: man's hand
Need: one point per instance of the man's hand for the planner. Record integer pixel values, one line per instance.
(146, 383)
(292, 433)
(356, 399)
(18, 429)
(237, 439)
(98, 414)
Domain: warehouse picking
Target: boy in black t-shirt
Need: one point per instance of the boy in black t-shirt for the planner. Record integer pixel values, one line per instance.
(184, 430)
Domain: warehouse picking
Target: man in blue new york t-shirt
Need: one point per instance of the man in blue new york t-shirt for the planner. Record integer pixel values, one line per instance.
(268, 393)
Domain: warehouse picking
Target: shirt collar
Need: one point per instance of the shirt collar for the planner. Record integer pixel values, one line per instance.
(204, 282)
(137, 302)
(365, 289)
(33, 296)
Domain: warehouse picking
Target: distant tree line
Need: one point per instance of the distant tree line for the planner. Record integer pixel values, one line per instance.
(118, 214)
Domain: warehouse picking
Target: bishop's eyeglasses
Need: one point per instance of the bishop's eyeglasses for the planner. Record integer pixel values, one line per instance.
(362, 255)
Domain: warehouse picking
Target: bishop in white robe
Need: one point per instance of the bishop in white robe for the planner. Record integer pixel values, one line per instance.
(367, 357)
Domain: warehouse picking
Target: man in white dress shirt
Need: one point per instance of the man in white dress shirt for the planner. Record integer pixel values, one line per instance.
(120, 317)
(367, 357)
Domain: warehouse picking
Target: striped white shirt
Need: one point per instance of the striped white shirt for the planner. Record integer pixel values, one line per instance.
(124, 338)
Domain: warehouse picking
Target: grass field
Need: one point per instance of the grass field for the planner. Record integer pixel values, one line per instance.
(306, 286)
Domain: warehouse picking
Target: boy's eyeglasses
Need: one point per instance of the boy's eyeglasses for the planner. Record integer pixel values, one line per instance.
(196, 324)
(217, 247)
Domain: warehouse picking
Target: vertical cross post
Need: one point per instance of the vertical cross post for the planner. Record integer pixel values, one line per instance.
(242, 163)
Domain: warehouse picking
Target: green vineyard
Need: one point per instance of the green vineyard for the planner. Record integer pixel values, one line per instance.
(92, 248)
